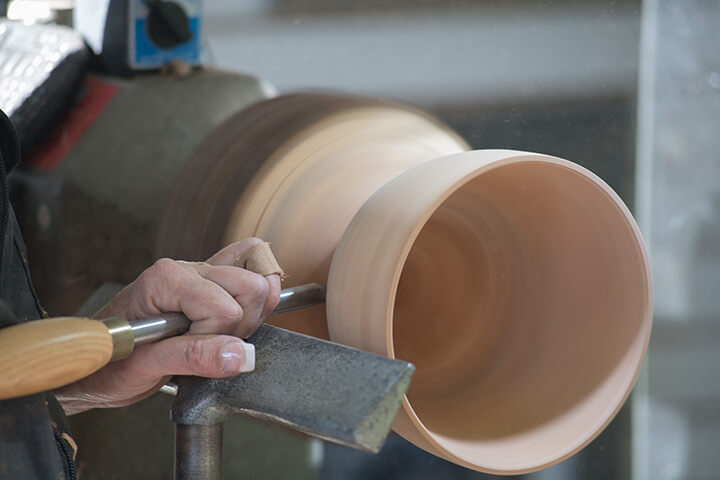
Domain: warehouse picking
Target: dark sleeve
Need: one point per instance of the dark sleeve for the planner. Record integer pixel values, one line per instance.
(16, 288)
(34, 440)
(9, 144)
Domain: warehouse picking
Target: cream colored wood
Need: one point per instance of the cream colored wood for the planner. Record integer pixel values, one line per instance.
(303, 197)
(520, 287)
(46, 354)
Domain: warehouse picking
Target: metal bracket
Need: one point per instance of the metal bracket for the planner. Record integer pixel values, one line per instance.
(330, 391)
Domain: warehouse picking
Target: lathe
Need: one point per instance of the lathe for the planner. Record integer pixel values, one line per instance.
(516, 283)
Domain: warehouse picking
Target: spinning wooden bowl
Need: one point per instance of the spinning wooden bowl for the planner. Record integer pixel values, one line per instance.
(517, 283)
(519, 286)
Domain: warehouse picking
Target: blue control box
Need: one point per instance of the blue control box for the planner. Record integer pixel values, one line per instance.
(163, 30)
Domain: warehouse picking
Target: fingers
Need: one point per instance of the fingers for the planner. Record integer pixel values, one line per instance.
(218, 298)
(229, 254)
(249, 290)
(170, 286)
(134, 378)
(212, 356)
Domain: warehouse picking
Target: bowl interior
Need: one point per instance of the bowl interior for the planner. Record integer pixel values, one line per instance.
(524, 303)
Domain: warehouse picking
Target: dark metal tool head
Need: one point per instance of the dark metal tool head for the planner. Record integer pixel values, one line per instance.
(326, 390)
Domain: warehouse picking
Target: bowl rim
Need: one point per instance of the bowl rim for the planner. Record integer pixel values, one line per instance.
(485, 166)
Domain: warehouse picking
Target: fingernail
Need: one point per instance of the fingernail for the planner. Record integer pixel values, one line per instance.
(238, 357)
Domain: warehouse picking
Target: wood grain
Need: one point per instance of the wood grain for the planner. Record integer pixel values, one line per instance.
(46, 354)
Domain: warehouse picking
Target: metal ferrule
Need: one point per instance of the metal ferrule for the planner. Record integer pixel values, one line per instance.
(122, 337)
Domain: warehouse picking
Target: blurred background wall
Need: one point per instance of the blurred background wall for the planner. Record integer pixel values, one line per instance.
(677, 408)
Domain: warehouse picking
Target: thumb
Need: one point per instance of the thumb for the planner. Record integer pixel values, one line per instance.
(212, 356)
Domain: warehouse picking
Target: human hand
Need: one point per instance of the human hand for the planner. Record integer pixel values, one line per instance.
(224, 302)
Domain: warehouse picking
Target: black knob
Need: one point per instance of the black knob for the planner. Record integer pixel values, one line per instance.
(167, 24)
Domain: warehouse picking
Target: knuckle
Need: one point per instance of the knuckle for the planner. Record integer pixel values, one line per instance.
(231, 313)
(196, 355)
(257, 287)
(201, 268)
(145, 286)
(163, 267)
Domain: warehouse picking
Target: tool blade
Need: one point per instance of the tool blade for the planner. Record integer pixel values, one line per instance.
(331, 391)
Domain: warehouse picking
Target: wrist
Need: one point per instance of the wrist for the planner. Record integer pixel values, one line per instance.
(73, 402)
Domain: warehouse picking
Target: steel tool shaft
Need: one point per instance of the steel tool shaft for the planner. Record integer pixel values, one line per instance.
(150, 330)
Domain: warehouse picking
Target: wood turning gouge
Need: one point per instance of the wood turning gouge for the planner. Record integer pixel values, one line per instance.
(46, 354)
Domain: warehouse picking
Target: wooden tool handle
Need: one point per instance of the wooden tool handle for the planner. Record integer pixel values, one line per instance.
(46, 354)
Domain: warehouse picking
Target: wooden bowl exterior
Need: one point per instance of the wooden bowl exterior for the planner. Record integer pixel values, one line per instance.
(529, 341)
